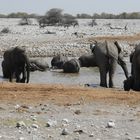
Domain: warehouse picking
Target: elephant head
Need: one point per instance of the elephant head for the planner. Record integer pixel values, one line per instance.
(58, 61)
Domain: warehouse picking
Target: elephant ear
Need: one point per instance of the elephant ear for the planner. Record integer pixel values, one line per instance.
(92, 46)
(112, 50)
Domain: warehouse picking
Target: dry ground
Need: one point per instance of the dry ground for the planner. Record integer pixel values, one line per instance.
(63, 95)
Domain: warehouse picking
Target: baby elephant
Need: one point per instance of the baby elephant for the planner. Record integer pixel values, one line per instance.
(71, 66)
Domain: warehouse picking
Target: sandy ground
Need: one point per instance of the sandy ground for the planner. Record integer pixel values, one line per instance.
(81, 112)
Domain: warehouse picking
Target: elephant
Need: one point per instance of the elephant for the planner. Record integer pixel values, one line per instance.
(58, 61)
(106, 56)
(71, 66)
(39, 64)
(14, 64)
(135, 70)
(87, 61)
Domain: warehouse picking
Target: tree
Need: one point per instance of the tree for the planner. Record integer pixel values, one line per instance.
(54, 16)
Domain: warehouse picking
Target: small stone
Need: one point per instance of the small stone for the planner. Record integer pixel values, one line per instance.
(77, 112)
(17, 106)
(20, 124)
(65, 131)
(137, 137)
(34, 126)
(65, 121)
(21, 138)
(20, 132)
(91, 135)
(51, 123)
(80, 131)
(128, 138)
(110, 124)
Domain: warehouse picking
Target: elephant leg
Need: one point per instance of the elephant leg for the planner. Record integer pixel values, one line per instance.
(136, 85)
(17, 75)
(103, 76)
(11, 76)
(112, 68)
(23, 76)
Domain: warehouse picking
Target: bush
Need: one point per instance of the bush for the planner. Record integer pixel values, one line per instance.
(92, 23)
(54, 16)
(25, 21)
(69, 20)
(5, 30)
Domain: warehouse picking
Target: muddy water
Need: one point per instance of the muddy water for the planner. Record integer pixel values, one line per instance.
(86, 75)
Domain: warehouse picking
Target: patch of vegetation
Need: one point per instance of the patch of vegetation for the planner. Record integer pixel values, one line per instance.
(5, 30)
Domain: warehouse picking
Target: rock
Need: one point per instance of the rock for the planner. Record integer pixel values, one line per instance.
(21, 138)
(80, 131)
(110, 124)
(77, 112)
(51, 123)
(33, 117)
(17, 106)
(65, 121)
(91, 135)
(20, 124)
(137, 137)
(35, 126)
(65, 132)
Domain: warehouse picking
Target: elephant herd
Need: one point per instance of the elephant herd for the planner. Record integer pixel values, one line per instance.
(105, 55)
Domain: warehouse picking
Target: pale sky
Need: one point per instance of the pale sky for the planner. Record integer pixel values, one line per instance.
(70, 6)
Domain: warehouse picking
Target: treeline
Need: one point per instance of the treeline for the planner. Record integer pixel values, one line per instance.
(124, 15)
(19, 15)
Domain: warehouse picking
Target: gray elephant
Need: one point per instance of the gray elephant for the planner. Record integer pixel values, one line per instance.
(71, 66)
(39, 64)
(58, 61)
(14, 64)
(87, 60)
(106, 56)
(135, 71)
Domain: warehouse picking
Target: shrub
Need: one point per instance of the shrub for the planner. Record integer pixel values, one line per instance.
(5, 30)
(25, 21)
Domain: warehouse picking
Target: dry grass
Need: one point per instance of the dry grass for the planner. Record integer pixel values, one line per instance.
(130, 38)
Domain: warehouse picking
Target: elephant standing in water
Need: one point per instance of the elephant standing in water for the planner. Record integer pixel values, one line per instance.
(133, 82)
(14, 64)
(71, 66)
(106, 56)
(58, 61)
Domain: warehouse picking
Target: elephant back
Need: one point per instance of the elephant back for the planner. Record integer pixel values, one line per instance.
(71, 66)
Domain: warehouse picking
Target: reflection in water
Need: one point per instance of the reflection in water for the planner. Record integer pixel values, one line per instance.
(86, 75)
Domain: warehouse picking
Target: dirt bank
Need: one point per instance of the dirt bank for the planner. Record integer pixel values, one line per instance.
(63, 95)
